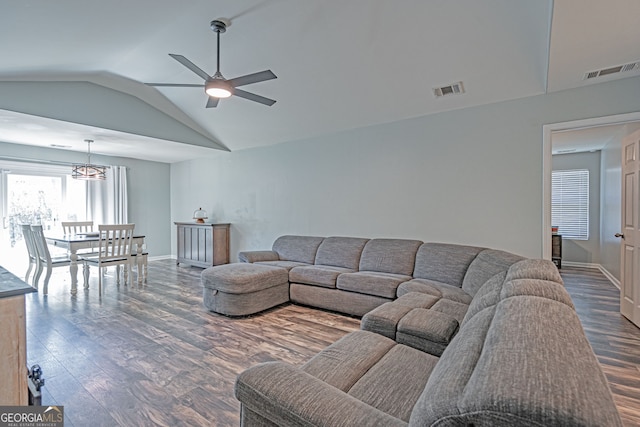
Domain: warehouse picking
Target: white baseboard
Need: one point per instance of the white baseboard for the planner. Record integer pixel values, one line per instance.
(603, 270)
(580, 264)
(610, 276)
(161, 257)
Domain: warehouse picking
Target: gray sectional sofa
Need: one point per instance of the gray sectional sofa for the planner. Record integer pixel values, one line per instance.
(355, 275)
(451, 335)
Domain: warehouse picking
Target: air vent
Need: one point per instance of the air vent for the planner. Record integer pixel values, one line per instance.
(452, 89)
(612, 70)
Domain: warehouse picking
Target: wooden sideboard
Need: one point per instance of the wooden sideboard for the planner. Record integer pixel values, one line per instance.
(14, 389)
(202, 245)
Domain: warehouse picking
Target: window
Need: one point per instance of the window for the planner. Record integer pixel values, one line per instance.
(35, 194)
(570, 203)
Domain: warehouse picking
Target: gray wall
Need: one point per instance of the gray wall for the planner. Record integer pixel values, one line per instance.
(611, 205)
(584, 251)
(148, 188)
(469, 176)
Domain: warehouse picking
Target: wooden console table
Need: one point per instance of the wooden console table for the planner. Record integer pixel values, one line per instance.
(203, 245)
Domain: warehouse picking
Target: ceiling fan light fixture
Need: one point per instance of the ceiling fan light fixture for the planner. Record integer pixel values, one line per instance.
(218, 88)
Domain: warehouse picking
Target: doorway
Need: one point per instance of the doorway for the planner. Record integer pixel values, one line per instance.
(548, 130)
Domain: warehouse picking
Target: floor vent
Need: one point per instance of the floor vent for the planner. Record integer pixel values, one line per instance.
(612, 70)
(452, 89)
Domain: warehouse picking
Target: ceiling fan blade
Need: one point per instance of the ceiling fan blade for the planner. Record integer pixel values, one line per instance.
(190, 65)
(253, 97)
(212, 102)
(173, 85)
(252, 78)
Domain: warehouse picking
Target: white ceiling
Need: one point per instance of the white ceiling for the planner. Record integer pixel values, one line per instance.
(340, 65)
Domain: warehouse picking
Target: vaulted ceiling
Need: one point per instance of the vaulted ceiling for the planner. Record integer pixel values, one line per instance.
(73, 69)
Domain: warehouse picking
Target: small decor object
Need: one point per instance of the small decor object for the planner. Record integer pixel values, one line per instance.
(554, 229)
(87, 170)
(200, 216)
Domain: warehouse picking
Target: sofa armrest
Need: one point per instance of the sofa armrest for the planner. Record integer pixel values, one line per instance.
(287, 396)
(256, 256)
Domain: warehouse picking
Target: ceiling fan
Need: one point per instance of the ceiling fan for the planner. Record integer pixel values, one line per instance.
(216, 86)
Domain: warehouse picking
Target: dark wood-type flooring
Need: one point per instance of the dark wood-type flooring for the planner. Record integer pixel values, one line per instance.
(152, 355)
(615, 340)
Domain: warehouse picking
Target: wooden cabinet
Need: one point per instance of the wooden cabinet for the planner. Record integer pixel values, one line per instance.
(14, 389)
(556, 250)
(203, 245)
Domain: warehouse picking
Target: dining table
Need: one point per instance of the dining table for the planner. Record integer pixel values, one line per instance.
(90, 240)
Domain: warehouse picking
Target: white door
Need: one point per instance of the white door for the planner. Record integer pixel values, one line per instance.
(630, 247)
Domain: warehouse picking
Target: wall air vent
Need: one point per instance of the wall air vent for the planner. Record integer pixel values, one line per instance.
(452, 89)
(612, 70)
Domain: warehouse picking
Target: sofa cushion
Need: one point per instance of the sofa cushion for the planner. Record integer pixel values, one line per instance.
(422, 327)
(394, 384)
(297, 248)
(341, 252)
(535, 287)
(416, 300)
(502, 368)
(318, 275)
(345, 361)
(487, 264)
(287, 265)
(487, 296)
(256, 256)
(438, 289)
(455, 309)
(395, 256)
(242, 278)
(534, 269)
(278, 394)
(449, 378)
(371, 283)
(384, 319)
(445, 263)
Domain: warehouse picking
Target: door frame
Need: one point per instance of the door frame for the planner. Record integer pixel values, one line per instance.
(547, 163)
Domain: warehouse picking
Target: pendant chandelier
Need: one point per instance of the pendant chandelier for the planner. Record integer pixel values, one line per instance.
(88, 171)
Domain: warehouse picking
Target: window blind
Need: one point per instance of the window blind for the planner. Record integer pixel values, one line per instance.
(570, 203)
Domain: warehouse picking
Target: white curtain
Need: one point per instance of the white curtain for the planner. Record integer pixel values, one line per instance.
(107, 200)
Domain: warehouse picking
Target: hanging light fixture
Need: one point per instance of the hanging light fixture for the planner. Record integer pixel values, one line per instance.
(87, 170)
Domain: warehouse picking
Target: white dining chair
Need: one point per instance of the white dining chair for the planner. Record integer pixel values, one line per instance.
(142, 275)
(27, 235)
(45, 260)
(114, 248)
(71, 228)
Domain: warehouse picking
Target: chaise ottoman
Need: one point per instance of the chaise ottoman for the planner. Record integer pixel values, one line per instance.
(240, 289)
